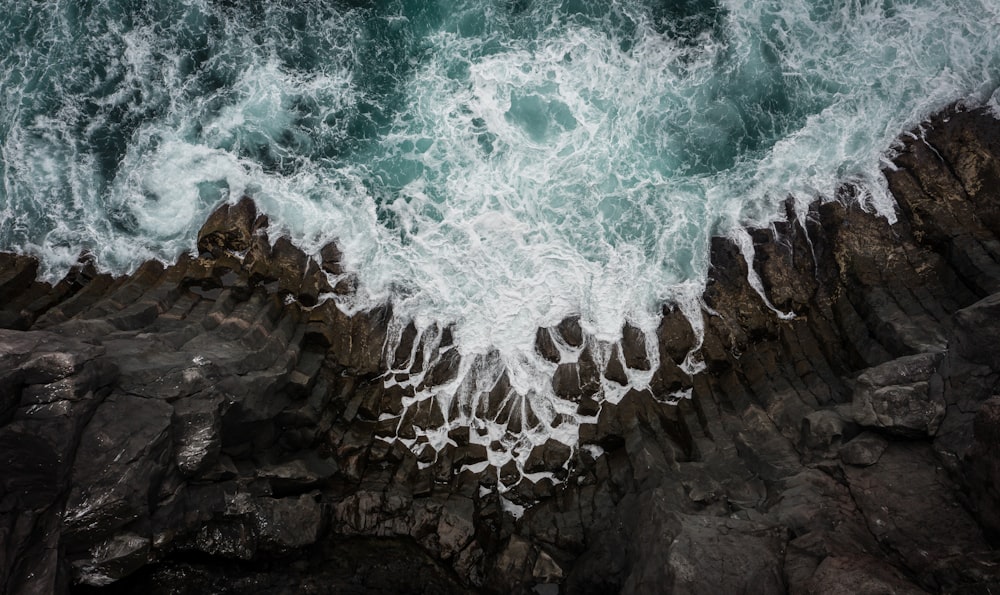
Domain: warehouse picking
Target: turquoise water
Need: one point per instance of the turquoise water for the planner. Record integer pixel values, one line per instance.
(498, 164)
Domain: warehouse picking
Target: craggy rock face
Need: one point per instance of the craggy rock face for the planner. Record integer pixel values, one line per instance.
(215, 425)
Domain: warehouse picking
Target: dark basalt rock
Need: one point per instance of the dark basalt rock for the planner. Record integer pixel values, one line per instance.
(330, 259)
(566, 381)
(897, 396)
(197, 433)
(864, 450)
(425, 414)
(549, 456)
(983, 466)
(354, 566)
(214, 426)
(615, 371)
(859, 574)
(571, 332)
(824, 429)
(230, 228)
(17, 273)
(445, 370)
(912, 508)
(111, 487)
(404, 350)
(575, 380)
(447, 337)
(634, 348)
(704, 554)
(975, 331)
(674, 335)
(545, 346)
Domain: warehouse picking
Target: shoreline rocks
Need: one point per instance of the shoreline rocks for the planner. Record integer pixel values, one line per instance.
(211, 425)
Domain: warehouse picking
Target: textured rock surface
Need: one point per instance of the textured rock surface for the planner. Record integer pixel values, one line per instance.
(212, 426)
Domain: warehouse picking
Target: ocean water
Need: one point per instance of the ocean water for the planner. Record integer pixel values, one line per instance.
(497, 165)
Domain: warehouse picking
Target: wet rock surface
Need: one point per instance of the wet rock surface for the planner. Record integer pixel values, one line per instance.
(215, 426)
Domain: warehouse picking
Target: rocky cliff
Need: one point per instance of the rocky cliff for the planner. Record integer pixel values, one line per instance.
(215, 426)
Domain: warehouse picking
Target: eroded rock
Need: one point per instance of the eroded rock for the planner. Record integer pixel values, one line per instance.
(898, 397)
(230, 227)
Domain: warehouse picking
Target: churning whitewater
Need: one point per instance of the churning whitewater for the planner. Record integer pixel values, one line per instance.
(496, 165)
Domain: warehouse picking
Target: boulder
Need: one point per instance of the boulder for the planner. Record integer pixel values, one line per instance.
(566, 381)
(545, 346)
(897, 397)
(548, 456)
(330, 259)
(634, 348)
(571, 331)
(229, 228)
(863, 450)
(904, 410)
(404, 350)
(675, 336)
(615, 371)
(445, 369)
(826, 428)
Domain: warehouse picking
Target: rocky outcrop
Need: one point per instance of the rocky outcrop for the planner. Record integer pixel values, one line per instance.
(218, 425)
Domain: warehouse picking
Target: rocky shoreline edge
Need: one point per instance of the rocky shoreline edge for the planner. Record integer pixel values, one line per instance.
(212, 426)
